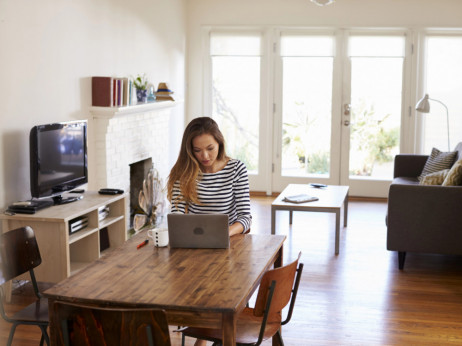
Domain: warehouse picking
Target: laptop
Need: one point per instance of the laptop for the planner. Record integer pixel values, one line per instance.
(198, 231)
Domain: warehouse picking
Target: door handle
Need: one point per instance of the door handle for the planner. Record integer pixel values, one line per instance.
(346, 123)
(346, 109)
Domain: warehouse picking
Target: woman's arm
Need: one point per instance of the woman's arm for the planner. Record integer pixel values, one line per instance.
(242, 198)
(236, 228)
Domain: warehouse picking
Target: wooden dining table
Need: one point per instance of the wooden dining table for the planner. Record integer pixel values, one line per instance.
(195, 287)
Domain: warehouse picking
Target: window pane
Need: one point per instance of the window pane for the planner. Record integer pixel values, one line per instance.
(376, 46)
(226, 44)
(307, 46)
(376, 87)
(306, 112)
(443, 76)
(236, 105)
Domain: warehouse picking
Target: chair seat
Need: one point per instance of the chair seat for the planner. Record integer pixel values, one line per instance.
(247, 330)
(35, 312)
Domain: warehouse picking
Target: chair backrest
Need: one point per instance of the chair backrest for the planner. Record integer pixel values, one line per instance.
(109, 326)
(19, 253)
(284, 278)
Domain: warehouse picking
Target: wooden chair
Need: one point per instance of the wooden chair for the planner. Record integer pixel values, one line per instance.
(19, 253)
(278, 287)
(95, 326)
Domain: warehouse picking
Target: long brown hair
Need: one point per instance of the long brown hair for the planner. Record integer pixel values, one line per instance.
(187, 169)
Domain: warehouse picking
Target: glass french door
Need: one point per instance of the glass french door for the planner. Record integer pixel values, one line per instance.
(236, 80)
(307, 128)
(341, 97)
(322, 106)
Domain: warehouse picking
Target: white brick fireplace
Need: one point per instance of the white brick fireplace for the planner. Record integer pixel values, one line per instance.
(122, 136)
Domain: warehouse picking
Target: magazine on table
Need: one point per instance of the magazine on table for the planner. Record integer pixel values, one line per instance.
(302, 198)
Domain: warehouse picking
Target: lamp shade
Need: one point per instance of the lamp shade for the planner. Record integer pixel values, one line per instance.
(423, 105)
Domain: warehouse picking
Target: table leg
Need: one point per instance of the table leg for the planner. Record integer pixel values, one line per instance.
(291, 215)
(337, 231)
(229, 329)
(279, 258)
(345, 211)
(273, 220)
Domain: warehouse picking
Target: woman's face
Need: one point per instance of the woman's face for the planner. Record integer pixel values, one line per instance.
(205, 149)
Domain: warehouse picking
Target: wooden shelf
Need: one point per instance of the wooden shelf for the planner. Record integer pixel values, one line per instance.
(62, 253)
(109, 221)
(110, 112)
(82, 234)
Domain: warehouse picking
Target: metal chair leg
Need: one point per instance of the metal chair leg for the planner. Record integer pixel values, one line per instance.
(44, 335)
(12, 330)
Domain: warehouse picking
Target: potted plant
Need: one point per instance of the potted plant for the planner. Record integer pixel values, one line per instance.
(141, 85)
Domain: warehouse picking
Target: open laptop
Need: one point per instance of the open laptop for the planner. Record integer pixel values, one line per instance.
(199, 231)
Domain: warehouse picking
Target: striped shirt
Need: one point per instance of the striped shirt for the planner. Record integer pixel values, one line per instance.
(223, 192)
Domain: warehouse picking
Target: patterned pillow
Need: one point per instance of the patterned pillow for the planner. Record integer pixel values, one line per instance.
(438, 161)
(454, 176)
(436, 178)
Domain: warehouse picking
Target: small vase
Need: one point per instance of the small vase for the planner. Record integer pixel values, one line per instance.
(141, 95)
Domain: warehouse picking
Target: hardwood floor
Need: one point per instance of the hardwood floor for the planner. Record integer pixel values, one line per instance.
(356, 298)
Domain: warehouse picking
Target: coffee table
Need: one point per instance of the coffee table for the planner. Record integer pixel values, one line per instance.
(331, 200)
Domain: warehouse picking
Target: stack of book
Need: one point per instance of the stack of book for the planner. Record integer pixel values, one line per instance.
(112, 92)
(164, 93)
(103, 212)
(78, 224)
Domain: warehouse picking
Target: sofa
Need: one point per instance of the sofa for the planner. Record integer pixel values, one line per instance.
(424, 218)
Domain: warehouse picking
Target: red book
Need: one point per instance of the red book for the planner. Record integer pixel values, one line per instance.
(101, 91)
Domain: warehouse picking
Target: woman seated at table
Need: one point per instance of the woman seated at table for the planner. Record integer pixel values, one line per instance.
(204, 180)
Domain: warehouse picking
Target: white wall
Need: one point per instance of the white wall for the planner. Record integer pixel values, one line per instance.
(49, 49)
(413, 14)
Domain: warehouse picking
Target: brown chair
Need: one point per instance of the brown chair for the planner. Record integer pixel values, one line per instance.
(254, 325)
(19, 253)
(90, 325)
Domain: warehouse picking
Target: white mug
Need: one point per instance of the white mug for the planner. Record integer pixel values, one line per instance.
(159, 236)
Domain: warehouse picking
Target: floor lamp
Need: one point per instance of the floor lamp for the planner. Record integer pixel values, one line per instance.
(423, 106)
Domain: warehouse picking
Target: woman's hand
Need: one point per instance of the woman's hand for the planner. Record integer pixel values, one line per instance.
(236, 228)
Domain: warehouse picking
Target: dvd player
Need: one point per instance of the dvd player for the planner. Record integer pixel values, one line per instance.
(29, 207)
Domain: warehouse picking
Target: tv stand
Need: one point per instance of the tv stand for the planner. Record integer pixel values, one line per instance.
(64, 253)
(57, 200)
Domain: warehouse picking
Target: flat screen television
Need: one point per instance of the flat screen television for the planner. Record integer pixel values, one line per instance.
(58, 159)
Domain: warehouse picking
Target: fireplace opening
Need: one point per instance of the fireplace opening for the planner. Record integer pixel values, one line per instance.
(138, 172)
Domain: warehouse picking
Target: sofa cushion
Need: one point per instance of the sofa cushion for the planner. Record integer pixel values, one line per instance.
(436, 178)
(454, 176)
(437, 161)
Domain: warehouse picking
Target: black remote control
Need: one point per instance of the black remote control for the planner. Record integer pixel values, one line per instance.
(107, 191)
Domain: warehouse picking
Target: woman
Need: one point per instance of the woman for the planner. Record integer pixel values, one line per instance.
(205, 180)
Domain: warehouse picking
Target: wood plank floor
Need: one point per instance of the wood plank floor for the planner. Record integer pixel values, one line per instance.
(356, 298)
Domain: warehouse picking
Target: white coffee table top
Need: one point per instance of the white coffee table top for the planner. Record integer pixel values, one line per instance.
(331, 196)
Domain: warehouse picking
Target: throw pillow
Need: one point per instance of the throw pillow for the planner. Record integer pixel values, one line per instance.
(436, 178)
(437, 161)
(454, 176)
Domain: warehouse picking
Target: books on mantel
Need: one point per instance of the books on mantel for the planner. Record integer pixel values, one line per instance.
(302, 198)
(164, 93)
(112, 92)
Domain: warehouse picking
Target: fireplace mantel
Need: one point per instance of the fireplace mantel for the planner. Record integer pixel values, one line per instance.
(110, 112)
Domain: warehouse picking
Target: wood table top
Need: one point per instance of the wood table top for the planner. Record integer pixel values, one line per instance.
(213, 280)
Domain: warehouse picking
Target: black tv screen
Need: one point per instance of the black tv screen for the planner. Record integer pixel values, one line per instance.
(58, 158)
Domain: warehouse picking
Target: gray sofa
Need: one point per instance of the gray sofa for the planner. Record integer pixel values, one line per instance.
(422, 218)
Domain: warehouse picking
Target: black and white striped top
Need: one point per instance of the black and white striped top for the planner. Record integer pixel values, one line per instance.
(223, 192)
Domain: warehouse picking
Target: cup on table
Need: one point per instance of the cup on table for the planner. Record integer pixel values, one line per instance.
(159, 236)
